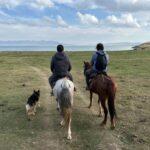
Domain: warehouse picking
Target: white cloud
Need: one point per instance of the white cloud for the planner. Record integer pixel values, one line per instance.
(6, 19)
(126, 20)
(129, 13)
(133, 5)
(41, 4)
(73, 35)
(112, 5)
(3, 14)
(61, 22)
(87, 19)
(63, 1)
(9, 3)
(45, 21)
(38, 4)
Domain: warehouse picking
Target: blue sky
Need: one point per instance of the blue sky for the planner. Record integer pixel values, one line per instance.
(80, 22)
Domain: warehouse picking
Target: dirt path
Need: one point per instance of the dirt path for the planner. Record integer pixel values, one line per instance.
(53, 137)
(49, 138)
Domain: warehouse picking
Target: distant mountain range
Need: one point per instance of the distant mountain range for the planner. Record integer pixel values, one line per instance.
(54, 43)
(28, 43)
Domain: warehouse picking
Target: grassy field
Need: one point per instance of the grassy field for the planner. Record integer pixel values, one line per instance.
(131, 71)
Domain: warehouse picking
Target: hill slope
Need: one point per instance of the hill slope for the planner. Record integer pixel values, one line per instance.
(143, 46)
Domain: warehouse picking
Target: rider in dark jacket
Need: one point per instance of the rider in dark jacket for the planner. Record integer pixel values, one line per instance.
(60, 66)
(94, 71)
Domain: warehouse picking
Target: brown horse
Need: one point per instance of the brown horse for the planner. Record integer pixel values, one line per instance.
(105, 88)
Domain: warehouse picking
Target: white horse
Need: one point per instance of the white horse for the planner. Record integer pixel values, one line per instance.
(63, 91)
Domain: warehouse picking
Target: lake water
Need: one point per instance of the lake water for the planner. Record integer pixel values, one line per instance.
(113, 47)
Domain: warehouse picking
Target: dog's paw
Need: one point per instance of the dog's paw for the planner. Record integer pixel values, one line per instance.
(62, 123)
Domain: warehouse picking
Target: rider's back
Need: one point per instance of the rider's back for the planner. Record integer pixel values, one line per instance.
(60, 64)
(100, 61)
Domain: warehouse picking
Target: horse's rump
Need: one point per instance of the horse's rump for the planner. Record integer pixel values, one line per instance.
(103, 81)
(65, 98)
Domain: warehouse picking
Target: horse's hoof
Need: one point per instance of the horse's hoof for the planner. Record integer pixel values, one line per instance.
(100, 115)
(89, 106)
(112, 127)
(57, 109)
(103, 124)
(69, 137)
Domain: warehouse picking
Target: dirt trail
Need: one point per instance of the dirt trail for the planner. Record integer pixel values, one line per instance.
(53, 137)
(49, 138)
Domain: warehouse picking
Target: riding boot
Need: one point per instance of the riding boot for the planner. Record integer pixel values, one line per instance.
(75, 89)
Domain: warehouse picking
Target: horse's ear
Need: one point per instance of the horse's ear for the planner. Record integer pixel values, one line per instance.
(84, 62)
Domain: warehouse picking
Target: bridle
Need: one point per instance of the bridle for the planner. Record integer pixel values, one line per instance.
(86, 67)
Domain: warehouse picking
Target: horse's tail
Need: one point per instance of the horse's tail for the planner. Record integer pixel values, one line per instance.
(67, 115)
(111, 100)
(65, 105)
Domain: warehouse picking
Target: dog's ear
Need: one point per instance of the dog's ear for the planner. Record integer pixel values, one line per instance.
(84, 62)
(38, 91)
(34, 91)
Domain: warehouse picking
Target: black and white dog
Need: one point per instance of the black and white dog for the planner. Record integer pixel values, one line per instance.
(32, 102)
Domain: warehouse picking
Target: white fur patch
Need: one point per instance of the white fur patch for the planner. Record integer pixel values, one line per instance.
(27, 107)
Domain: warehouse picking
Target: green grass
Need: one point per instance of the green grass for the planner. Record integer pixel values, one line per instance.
(130, 69)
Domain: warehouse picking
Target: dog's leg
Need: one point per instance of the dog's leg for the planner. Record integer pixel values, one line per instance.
(35, 108)
(33, 113)
(62, 123)
(39, 104)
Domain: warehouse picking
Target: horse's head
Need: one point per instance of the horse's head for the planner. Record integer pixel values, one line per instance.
(87, 66)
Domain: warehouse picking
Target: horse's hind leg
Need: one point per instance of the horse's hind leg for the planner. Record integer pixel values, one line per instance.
(91, 96)
(69, 137)
(58, 106)
(103, 100)
(100, 109)
(112, 111)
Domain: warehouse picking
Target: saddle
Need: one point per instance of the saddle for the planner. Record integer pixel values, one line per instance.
(93, 75)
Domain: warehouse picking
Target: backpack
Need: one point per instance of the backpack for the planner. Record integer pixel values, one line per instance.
(101, 62)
